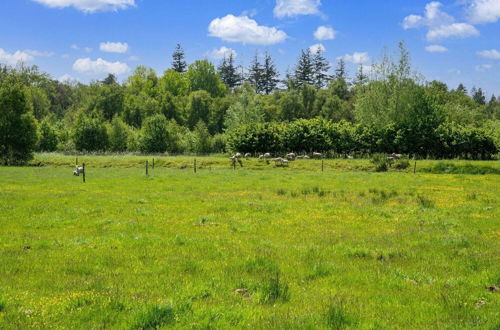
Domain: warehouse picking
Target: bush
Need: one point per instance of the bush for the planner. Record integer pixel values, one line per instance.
(118, 135)
(90, 134)
(18, 127)
(203, 139)
(381, 163)
(401, 164)
(154, 135)
(48, 138)
(219, 143)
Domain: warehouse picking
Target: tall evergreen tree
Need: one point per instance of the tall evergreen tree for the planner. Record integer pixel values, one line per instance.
(229, 72)
(178, 62)
(478, 96)
(304, 71)
(361, 76)
(270, 75)
(321, 68)
(340, 71)
(256, 74)
(461, 88)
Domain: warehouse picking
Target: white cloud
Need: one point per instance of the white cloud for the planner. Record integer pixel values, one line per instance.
(74, 47)
(491, 54)
(436, 49)
(87, 49)
(356, 58)
(455, 30)
(38, 53)
(484, 11)
(15, 58)
(292, 8)
(440, 25)
(65, 78)
(314, 48)
(324, 33)
(483, 67)
(134, 58)
(246, 30)
(89, 6)
(114, 47)
(99, 66)
(220, 53)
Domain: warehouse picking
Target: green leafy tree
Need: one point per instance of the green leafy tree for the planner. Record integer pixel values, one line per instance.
(203, 139)
(202, 75)
(245, 110)
(154, 135)
(90, 134)
(199, 106)
(18, 127)
(118, 133)
(48, 137)
(478, 96)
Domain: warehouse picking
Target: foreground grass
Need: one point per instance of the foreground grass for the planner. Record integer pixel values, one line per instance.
(306, 249)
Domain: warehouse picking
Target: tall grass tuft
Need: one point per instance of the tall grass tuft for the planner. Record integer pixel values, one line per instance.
(336, 315)
(381, 163)
(154, 317)
(425, 202)
(274, 289)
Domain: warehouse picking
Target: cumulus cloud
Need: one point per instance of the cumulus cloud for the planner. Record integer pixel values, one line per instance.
(356, 58)
(455, 30)
(15, 58)
(38, 53)
(114, 47)
(221, 53)
(89, 6)
(436, 49)
(440, 25)
(293, 8)
(324, 33)
(491, 54)
(483, 11)
(99, 66)
(483, 67)
(314, 48)
(246, 30)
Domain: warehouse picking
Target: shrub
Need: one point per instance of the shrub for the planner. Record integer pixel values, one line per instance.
(401, 164)
(48, 138)
(118, 135)
(90, 134)
(381, 163)
(203, 139)
(154, 135)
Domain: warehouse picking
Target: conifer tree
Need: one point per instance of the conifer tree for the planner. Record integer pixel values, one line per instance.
(256, 74)
(270, 75)
(229, 72)
(178, 62)
(340, 71)
(304, 71)
(321, 68)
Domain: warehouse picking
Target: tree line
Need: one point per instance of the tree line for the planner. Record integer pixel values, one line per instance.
(203, 108)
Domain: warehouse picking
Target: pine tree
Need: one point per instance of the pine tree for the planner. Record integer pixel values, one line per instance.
(304, 71)
(178, 62)
(270, 75)
(478, 96)
(340, 71)
(361, 77)
(256, 74)
(229, 72)
(461, 88)
(321, 68)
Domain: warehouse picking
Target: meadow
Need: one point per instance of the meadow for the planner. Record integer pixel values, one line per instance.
(258, 247)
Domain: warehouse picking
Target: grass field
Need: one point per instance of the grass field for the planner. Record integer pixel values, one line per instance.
(343, 248)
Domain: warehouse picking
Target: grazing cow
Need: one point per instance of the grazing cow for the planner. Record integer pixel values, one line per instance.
(78, 170)
(290, 157)
(317, 155)
(248, 155)
(278, 161)
(300, 157)
(307, 157)
(396, 156)
(350, 157)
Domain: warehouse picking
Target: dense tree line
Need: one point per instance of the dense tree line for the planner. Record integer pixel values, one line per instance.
(203, 108)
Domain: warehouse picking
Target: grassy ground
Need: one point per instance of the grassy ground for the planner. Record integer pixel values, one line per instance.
(338, 249)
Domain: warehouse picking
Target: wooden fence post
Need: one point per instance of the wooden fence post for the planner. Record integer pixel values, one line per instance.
(195, 165)
(76, 160)
(153, 163)
(234, 163)
(415, 167)
(147, 168)
(84, 172)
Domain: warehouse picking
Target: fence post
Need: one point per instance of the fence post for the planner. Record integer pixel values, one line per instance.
(76, 160)
(84, 172)
(415, 167)
(147, 168)
(234, 163)
(195, 165)
(153, 163)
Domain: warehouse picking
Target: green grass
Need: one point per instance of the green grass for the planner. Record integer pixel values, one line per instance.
(311, 249)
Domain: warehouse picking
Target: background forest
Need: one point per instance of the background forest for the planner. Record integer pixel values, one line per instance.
(202, 108)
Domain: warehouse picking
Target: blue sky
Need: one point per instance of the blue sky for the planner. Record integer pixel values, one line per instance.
(452, 40)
